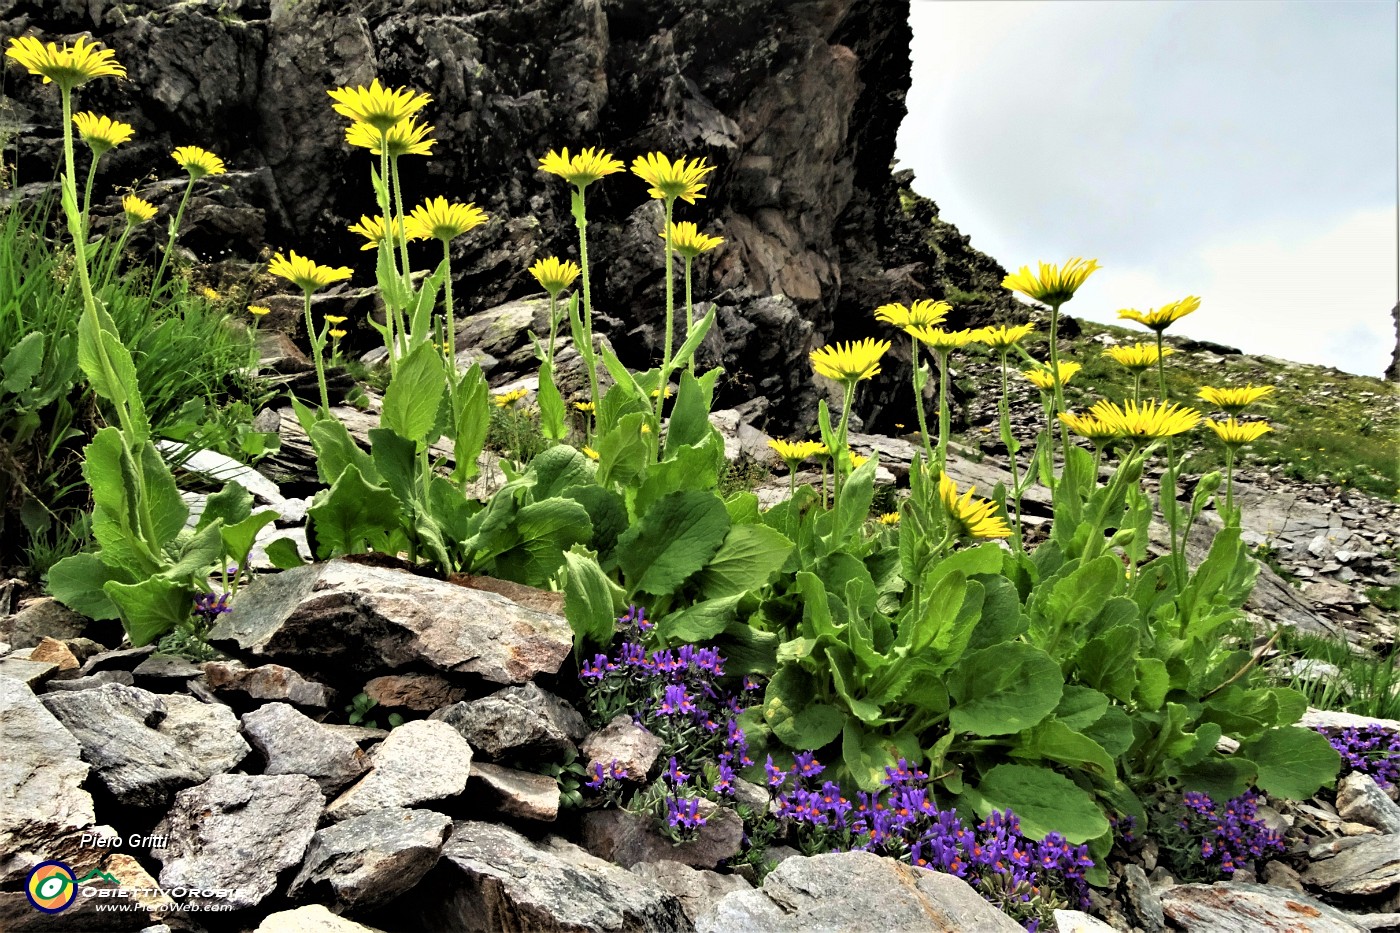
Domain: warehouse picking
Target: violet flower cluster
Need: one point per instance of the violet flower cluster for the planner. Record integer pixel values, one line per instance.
(1231, 836)
(1372, 750)
(209, 606)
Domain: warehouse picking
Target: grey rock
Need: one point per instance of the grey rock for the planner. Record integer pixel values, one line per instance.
(167, 669)
(32, 674)
(236, 832)
(313, 918)
(138, 757)
(387, 618)
(518, 793)
(1077, 921)
(293, 743)
(40, 618)
(855, 891)
(629, 838)
(1361, 800)
(370, 860)
(419, 762)
(122, 659)
(420, 692)
(697, 889)
(1379, 923)
(268, 682)
(491, 878)
(517, 723)
(1144, 903)
(625, 742)
(1250, 908)
(124, 678)
(55, 652)
(41, 777)
(1370, 867)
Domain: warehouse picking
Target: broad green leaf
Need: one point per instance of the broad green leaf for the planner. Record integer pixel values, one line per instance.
(1080, 707)
(1113, 731)
(352, 517)
(690, 416)
(695, 336)
(195, 556)
(866, 756)
(78, 582)
(673, 540)
(588, 602)
(1219, 778)
(557, 469)
(1044, 800)
(622, 451)
(743, 509)
(230, 505)
(471, 417)
(936, 624)
(608, 513)
(1293, 762)
(747, 559)
(336, 450)
(238, 538)
(552, 422)
(747, 650)
(1076, 598)
(167, 509)
(796, 720)
(1052, 740)
(699, 623)
(1003, 689)
(1002, 619)
(1108, 662)
(1152, 683)
(22, 363)
(546, 530)
(283, 554)
(412, 399)
(688, 468)
(984, 558)
(150, 608)
(397, 462)
(853, 505)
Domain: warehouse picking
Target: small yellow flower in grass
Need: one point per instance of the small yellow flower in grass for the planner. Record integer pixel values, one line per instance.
(1002, 337)
(372, 229)
(509, 398)
(198, 162)
(442, 219)
(137, 211)
(407, 138)
(582, 169)
(307, 275)
(889, 518)
(1100, 432)
(1138, 356)
(70, 66)
(1234, 400)
(1055, 284)
(1235, 433)
(336, 319)
(1162, 318)
(794, 452)
(858, 461)
(376, 105)
(646, 428)
(210, 293)
(555, 275)
(589, 452)
(259, 310)
(101, 133)
(337, 333)
(1043, 378)
(975, 518)
(687, 239)
(656, 393)
(936, 338)
(1146, 420)
(585, 406)
(670, 180)
(923, 313)
(850, 362)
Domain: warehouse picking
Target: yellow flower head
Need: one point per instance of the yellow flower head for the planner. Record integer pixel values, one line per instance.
(443, 220)
(889, 518)
(923, 313)
(1089, 426)
(509, 398)
(1138, 357)
(555, 275)
(1042, 377)
(940, 340)
(376, 105)
(656, 393)
(336, 333)
(589, 452)
(407, 138)
(210, 293)
(1146, 421)
(1002, 337)
(670, 180)
(1055, 284)
(1235, 433)
(307, 275)
(850, 362)
(336, 319)
(101, 133)
(975, 518)
(259, 310)
(585, 406)
(1235, 400)
(372, 229)
(794, 452)
(1162, 318)
(686, 239)
(198, 162)
(137, 210)
(70, 66)
(583, 169)
(858, 461)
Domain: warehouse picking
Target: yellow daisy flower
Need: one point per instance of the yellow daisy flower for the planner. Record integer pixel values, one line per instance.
(101, 133)
(509, 398)
(259, 310)
(858, 461)
(198, 162)
(1235, 433)
(850, 362)
(1043, 378)
(1055, 284)
(70, 66)
(376, 105)
(585, 406)
(589, 452)
(670, 180)
(687, 239)
(372, 229)
(210, 293)
(943, 340)
(137, 210)
(583, 169)
(336, 319)
(923, 313)
(336, 333)
(975, 518)
(889, 518)
(1146, 420)
(1234, 400)
(440, 219)
(1162, 318)
(406, 138)
(794, 452)
(1138, 356)
(1089, 426)
(306, 274)
(1002, 337)
(555, 275)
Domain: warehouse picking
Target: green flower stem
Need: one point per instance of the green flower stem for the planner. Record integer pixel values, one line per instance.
(174, 233)
(451, 316)
(670, 314)
(1098, 459)
(1004, 415)
(1047, 404)
(581, 219)
(1178, 559)
(317, 343)
(942, 410)
(841, 445)
(1059, 394)
(1137, 387)
(386, 246)
(87, 194)
(115, 258)
(553, 327)
(689, 312)
(392, 224)
(792, 480)
(919, 398)
(1229, 484)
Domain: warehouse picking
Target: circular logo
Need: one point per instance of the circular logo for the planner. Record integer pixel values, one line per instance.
(51, 887)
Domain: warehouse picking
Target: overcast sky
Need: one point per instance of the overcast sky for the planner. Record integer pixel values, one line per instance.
(1241, 150)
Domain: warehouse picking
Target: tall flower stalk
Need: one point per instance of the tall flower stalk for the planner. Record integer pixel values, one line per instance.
(311, 277)
(1003, 339)
(444, 221)
(943, 343)
(554, 275)
(922, 313)
(685, 238)
(849, 364)
(197, 163)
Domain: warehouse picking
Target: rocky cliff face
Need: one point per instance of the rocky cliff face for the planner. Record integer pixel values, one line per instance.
(797, 103)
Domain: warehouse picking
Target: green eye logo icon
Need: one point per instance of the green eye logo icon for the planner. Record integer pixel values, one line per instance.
(51, 887)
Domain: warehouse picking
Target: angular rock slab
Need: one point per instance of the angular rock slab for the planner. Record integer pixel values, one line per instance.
(372, 859)
(697, 889)
(518, 793)
(1370, 867)
(294, 743)
(41, 777)
(40, 618)
(520, 723)
(311, 919)
(419, 761)
(367, 619)
(856, 891)
(268, 682)
(1361, 800)
(145, 746)
(236, 832)
(421, 692)
(1077, 921)
(1250, 908)
(630, 838)
(625, 742)
(491, 879)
